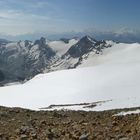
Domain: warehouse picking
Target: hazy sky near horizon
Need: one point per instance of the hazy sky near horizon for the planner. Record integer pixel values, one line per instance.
(54, 16)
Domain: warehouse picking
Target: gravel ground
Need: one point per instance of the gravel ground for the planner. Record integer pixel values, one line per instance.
(23, 124)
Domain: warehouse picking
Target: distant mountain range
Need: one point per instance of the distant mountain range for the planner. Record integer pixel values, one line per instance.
(124, 35)
(23, 60)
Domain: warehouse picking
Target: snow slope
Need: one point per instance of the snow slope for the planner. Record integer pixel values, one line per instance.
(112, 76)
(117, 54)
(137, 111)
(61, 47)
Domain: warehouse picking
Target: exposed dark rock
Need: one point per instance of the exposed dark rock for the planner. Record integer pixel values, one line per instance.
(65, 40)
(49, 134)
(85, 45)
(2, 77)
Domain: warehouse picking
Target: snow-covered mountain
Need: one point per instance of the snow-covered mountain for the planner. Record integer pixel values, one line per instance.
(85, 45)
(79, 52)
(112, 80)
(4, 42)
(24, 59)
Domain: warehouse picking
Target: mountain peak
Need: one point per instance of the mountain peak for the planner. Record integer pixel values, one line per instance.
(41, 41)
(88, 38)
(83, 46)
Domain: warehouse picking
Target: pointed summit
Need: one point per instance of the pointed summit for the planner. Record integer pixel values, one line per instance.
(41, 41)
(88, 38)
(83, 46)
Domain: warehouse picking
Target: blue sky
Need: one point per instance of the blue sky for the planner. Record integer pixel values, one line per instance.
(57, 16)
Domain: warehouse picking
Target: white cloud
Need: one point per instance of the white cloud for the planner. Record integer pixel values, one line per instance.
(19, 17)
(38, 4)
(16, 22)
(24, 16)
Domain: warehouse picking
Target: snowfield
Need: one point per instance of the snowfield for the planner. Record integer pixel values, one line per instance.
(113, 77)
(137, 111)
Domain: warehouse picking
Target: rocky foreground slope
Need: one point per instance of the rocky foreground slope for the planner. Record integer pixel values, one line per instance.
(22, 124)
